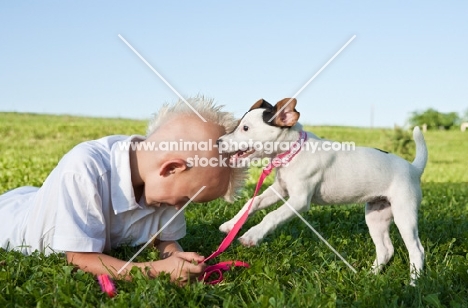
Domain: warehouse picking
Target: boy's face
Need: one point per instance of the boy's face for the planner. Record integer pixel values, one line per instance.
(175, 177)
(177, 188)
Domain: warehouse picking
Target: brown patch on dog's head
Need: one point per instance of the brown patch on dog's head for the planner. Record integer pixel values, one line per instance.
(287, 116)
(283, 114)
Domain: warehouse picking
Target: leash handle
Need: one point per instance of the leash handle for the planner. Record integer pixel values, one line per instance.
(107, 286)
(218, 268)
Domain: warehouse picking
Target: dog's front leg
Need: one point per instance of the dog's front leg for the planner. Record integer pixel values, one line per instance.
(275, 218)
(267, 198)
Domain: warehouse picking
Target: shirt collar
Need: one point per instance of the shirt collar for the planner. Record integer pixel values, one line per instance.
(122, 194)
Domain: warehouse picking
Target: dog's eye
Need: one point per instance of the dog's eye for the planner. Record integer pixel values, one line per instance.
(245, 128)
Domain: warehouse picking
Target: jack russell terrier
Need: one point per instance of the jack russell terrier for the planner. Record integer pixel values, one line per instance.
(388, 184)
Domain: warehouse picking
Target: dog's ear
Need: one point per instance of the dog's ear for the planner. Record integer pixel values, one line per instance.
(261, 103)
(287, 114)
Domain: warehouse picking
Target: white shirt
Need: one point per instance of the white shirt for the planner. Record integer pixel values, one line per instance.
(86, 204)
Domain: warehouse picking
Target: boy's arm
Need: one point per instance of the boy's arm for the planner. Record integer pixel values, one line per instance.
(182, 266)
(98, 263)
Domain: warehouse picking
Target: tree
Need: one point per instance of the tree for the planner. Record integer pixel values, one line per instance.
(434, 119)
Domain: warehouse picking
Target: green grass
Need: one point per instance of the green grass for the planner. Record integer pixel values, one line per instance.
(291, 268)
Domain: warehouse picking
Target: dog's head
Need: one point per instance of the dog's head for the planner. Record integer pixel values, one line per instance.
(258, 130)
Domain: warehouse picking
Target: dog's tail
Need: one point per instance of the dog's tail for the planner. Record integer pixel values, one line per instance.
(421, 150)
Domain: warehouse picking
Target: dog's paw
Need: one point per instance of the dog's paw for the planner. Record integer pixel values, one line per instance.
(226, 227)
(376, 267)
(246, 243)
(250, 239)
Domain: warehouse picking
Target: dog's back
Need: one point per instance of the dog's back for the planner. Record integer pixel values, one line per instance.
(340, 175)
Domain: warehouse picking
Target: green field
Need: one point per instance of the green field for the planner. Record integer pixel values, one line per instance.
(291, 268)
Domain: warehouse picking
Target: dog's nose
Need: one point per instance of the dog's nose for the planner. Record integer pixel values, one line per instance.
(218, 141)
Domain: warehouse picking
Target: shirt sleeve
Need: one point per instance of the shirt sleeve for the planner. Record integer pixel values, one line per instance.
(80, 224)
(176, 228)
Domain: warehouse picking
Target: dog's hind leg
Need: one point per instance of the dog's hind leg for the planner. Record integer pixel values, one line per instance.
(267, 198)
(378, 218)
(405, 212)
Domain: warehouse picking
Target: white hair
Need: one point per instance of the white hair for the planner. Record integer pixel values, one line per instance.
(211, 113)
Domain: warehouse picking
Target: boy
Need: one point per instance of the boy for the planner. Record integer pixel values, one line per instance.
(121, 190)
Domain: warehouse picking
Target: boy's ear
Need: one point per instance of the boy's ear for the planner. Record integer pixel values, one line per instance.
(288, 116)
(172, 166)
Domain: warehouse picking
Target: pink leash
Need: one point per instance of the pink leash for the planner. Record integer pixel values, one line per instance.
(217, 268)
(280, 160)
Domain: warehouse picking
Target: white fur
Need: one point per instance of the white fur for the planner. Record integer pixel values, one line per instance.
(339, 177)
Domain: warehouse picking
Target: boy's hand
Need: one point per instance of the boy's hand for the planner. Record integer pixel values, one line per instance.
(182, 266)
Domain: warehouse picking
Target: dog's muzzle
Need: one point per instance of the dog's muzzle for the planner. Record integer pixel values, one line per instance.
(225, 146)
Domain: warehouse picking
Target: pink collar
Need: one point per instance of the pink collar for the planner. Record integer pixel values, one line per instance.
(284, 158)
(280, 160)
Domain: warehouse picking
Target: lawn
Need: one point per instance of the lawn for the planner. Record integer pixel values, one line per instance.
(290, 268)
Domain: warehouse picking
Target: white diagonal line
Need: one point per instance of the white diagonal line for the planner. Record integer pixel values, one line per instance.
(316, 233)
(161, 77)
(313, 77)
(160, 230)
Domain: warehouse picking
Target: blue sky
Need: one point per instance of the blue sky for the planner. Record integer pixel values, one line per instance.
(65, 57)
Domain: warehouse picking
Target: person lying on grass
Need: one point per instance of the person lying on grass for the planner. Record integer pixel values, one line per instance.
(104, 194)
